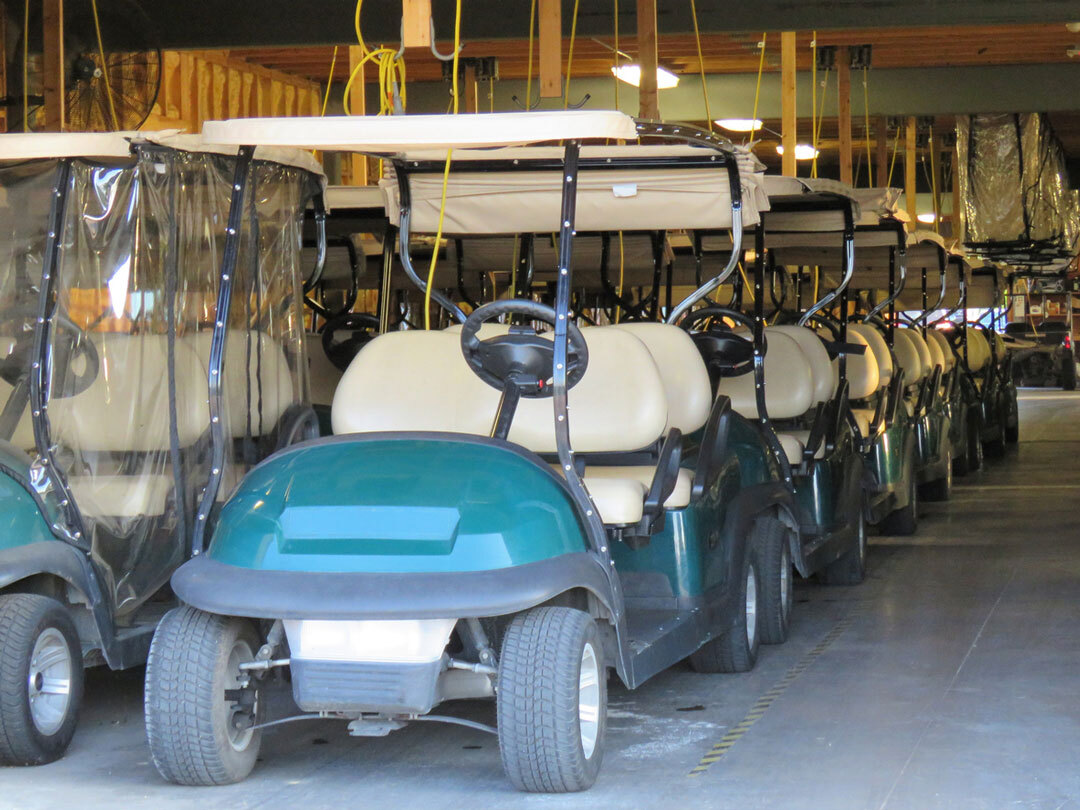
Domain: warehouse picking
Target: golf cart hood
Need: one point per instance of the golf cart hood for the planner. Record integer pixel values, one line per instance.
(404, 503)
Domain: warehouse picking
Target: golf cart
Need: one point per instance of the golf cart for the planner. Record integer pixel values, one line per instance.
(106, 301)
(516, 512)
(1043, 353)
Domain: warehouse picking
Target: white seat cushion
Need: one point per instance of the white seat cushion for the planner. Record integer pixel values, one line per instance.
(620, 501)
(864, 417)
(679, 497)
(789, 383)
(793, 446)
(926, 360)
(825, 376)
(937, 357)
(125, 496)
(879, 347)
(686, 380)
(978, 348)
(942, 342)
(907, 356)
(862, 369)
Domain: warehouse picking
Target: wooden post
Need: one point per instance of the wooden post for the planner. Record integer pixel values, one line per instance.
(53, 69)
(909, 172)
(416, 23)
(550, 31)
(648, 95)
(787, 101)
(843, 84)
(357, 106)
(881, 151)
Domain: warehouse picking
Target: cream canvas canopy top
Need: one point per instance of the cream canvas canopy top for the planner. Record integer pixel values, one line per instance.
(521, 201)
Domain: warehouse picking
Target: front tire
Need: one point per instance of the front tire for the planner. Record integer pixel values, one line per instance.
(552, 700)
(41, 679)
(940, 489)
(196, 736)
(737, 649)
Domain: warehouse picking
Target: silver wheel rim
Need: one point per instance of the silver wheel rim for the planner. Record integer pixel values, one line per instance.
(785, 580)
(862, 537)
(751, 607)
(239, 738)
(589, 700)
(49, 681)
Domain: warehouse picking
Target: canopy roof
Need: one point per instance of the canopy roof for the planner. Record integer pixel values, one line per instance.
(395, 134)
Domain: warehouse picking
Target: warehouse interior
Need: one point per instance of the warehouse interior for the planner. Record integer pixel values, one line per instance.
(306, 491)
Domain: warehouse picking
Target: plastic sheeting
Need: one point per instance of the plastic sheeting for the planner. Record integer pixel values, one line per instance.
(1014, 184)
(135, 290)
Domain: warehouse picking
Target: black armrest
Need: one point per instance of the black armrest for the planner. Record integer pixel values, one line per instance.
(841, 412)
(713, 446)
(666, 475)
(896, 397)
(817, 434)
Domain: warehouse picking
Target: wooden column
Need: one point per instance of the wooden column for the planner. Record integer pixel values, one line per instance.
(881, 151)
(648, 95)
(787, 101)
(843, 111)
(909, 171)
(357, 106)
(550, 32)
(416, 23)
(53, 69)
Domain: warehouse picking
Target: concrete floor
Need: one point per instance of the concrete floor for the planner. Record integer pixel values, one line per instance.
(950, 679)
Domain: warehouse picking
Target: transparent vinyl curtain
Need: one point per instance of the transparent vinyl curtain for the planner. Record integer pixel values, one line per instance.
(135, 293)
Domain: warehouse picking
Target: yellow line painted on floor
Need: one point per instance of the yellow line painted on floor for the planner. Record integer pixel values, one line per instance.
(716, 753)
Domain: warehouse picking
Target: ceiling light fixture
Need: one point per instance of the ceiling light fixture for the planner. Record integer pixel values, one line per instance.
(928, 218)
(740, 124)
(631, 74)
(803, 151)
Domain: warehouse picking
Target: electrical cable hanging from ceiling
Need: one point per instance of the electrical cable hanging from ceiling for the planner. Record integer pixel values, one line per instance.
(813, 101)
(615, 70)
(329, 82)
(446, 172)
(701, 65)
(391, 71)
(757, 89)
(866, 126)
(104, 65)
(528, 79)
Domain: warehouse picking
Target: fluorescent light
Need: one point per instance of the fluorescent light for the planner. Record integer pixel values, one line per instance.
(928, 218)
(631, 74)
(803, 151)
(739, 124)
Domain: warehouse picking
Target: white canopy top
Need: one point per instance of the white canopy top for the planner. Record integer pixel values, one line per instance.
(51, 145)
(392, 134)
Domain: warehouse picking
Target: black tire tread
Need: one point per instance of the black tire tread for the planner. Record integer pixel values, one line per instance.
(21, 618)
(729, 652)
(178, 705)
(771, 539)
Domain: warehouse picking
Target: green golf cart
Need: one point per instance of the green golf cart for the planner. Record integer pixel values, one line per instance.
(500, 513)
(111, 259)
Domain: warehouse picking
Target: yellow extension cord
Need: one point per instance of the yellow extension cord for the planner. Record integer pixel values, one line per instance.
(866, 128)
(701, 65)
(757, 91)
(391, 69)
(104, 66)
(446, 172)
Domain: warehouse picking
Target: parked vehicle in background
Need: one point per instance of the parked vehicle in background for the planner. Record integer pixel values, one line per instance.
(1047, 356)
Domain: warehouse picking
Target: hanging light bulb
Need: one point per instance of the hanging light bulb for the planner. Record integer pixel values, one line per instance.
(631, 74)
(803, 151)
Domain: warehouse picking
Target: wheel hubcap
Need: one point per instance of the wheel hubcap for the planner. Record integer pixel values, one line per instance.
(751, 607)
(49, 681)
(237, 726)
(589, 700)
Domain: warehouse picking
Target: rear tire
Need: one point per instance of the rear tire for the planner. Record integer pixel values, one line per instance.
(552, 700)
(996, 447)
(1068, 374)
(940, 489)
(773, 549)
(190, 726)
(737, 649)
(41, 679)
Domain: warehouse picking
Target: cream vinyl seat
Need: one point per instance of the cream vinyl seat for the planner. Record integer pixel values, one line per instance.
(619, 405)
(978, 350)
(948, 355)
(907, 357)
(864, 375)
(926, 359)
(126, 410)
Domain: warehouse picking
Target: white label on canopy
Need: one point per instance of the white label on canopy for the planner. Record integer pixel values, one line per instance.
(624, 190)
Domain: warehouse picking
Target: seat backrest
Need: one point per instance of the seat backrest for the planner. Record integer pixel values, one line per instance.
(686, 380)
(907, 356)
(978, 349)
(789, 383)
(862, 369)
(948, 355)
(126, 407)
(937, 357)
(418, 380)
(263, 359)
(926, 360)
(879, 347)
(817, 356)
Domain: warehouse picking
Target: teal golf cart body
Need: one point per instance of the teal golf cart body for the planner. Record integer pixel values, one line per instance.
(500, 510)
(106, 290)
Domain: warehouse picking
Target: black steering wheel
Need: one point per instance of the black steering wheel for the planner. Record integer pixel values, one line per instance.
(726, 353)
(521, 356)
(362, 326)
(69, 344)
